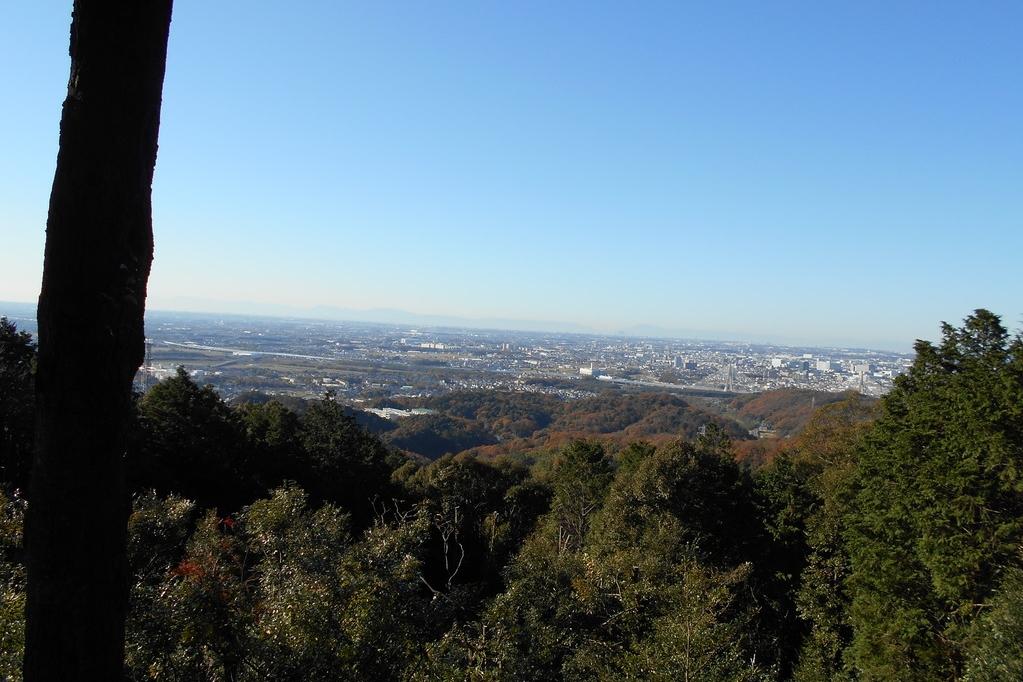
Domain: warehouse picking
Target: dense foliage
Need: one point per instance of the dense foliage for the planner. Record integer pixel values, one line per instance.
(937, 507)
(883, 543)
(17, 403)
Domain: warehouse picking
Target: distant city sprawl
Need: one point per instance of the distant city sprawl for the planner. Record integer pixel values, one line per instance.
(360, 361)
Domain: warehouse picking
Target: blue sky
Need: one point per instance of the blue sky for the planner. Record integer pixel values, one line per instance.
(817, 172)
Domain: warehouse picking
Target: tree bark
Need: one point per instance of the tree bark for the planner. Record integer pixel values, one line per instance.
(99, 247)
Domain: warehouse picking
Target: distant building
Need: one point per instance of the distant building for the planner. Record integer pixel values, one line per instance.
(764, 431)
(591, 371)
(823, 365)
(684, 363)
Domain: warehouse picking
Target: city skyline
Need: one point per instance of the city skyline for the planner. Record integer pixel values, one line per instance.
(837, 176)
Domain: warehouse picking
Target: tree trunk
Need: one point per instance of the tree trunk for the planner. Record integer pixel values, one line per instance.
(99, 246)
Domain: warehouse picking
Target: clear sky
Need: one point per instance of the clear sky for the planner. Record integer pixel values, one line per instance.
(818, 172)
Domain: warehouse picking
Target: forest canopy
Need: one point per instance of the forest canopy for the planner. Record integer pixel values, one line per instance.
(882, 542)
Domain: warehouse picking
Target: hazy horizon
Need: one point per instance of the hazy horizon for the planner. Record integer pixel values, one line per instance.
(400, 317)
(801, 172)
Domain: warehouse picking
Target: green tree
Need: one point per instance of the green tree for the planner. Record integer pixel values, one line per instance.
(635, 597)
(191, 443)
(534, 625)
(345, 464)
(196, 624)
(699, 485)
(272, 436)
(299, 632)
(805, 498)
(159, 530)
(280, 591)
(824, 466)
(994, 649)
(12, 586)
(528, 631)
(476, 525)
(703, 635)
(670, 554)
(938, 509)
(579, 482)
(17, 404)
(784, 500)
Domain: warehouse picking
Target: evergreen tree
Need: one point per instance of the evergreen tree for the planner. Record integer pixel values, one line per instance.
(342, 462)
(938, 509)
(191, 443)
(994, 649)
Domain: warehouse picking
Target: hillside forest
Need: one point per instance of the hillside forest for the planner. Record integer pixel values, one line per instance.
(524, 425)
(518, 537)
